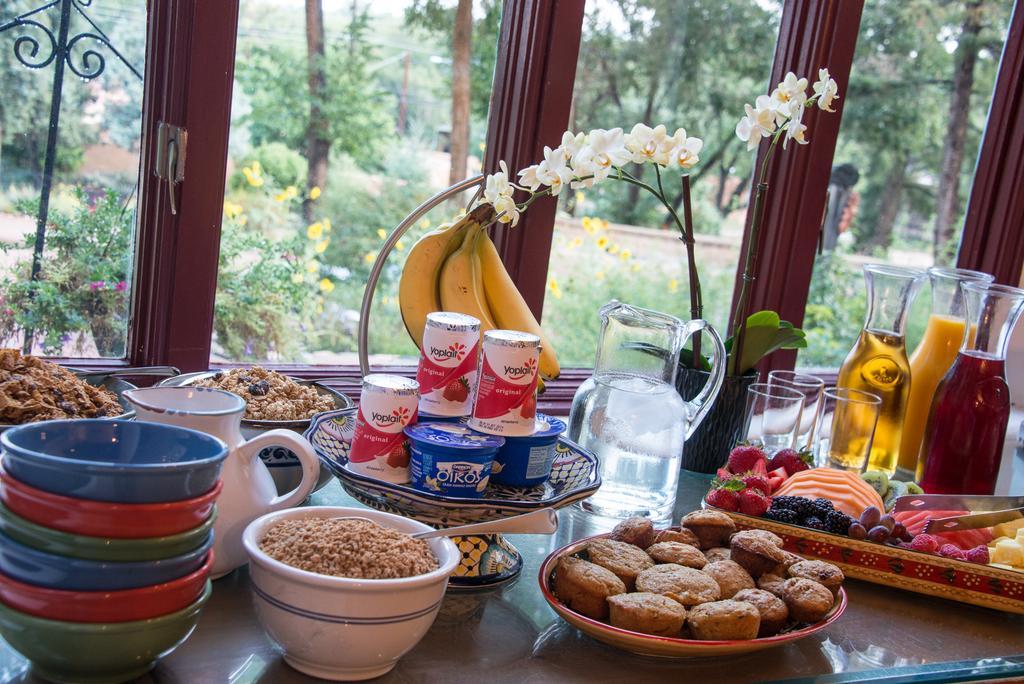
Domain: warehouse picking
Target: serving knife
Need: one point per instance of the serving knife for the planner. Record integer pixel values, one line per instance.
(972, 521)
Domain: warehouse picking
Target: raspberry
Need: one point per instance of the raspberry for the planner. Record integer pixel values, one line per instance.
(948, 550)
(753, 502)
(743, 458)
(725, 499)
(979, 554)
(926, 543)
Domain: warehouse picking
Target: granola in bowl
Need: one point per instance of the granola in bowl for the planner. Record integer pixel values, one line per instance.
(32, 390)
(270, 395)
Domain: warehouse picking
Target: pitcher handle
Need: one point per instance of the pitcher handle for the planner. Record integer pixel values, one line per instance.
(703, 402)
(302, 449)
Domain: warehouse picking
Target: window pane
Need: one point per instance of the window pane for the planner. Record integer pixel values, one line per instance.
(915, 112)
(316, 183)
(72, 167)
(652, 62)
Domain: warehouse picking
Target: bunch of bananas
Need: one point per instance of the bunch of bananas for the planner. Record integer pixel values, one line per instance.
(457, 268)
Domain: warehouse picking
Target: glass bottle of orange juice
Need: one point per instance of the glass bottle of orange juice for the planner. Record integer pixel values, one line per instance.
(934, 355)
(878, 361)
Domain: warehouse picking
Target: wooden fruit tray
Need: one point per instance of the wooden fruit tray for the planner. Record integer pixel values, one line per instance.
(922, 573)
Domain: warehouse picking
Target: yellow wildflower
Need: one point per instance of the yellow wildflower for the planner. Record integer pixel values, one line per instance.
(614, 249)
(315, 231)
(553, 286)
(232, 210)
(588, 224)
(400, 245)
(673, 286)
(625, 254)
(314, 192)
(242, 220)
(369, 257)
(381, 233)
(424, 223)
(322, 245)
(580, 197)
(603, 224)
(288, 193)
(327, 224)
(602, 242)
(576, 242)
(253, 175)
(312, 266)
(326, 285)
(257, 167)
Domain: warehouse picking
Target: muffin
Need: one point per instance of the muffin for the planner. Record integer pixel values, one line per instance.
(625, 560)
(764, 534)
(826, 574)
(636, 531)
(771, 583)
(789, 559)
(682, 535)
(712, 528)
(724, 621)
(757, 554)
(807, 600)
(680, 554)
(771, 608)
(648, 613)
(585, 587)
(731, 577)
(687, 586)
(719, 553)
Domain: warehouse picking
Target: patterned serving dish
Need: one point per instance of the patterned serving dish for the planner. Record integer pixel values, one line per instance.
(891, 566)
(666, 647)
(574, 476)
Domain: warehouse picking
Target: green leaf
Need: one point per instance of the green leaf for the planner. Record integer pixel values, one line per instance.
(766, 333)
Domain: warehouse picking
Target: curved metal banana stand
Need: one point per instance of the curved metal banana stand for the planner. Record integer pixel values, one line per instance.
(488, 560)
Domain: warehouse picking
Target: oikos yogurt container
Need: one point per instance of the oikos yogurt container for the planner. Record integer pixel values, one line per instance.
(451, 459)
(526, 461)
(387, 405)
(448, 364)
(506, 399)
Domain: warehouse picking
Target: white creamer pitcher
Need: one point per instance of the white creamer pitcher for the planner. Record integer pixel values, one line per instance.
(249, 490)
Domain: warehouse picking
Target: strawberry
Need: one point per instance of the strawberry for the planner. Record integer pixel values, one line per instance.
(745, 457)
(456, 391)
(528, 409)
(723, 474)
(399, 457)
(791, 460)
(726, 499)
(757, 482)
(753, 502)
(925, 542)
(979, 554)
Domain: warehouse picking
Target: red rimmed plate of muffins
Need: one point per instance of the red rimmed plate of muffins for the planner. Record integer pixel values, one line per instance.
(701, 589)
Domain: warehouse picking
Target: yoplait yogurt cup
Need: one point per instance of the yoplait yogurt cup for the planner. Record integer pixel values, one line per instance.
(451, 459)
(449, 361)
(387, 405)
(506, 398)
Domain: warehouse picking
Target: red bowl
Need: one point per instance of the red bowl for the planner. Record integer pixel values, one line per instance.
(105, 519)
(125, 605)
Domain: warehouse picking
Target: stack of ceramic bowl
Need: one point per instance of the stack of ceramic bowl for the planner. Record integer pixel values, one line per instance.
(105, 543)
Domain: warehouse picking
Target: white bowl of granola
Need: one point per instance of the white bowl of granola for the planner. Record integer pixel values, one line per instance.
(345, 599)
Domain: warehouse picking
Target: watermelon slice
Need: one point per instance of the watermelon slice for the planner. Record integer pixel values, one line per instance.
(914, 521)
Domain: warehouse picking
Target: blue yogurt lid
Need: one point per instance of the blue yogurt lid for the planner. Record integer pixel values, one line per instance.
(453, 436)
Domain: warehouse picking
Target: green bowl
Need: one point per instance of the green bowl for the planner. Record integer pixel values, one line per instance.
(89, 653)
(100, 548)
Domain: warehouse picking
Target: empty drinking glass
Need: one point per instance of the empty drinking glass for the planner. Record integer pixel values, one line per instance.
(845, 428)
(772, 415)
(808, 385)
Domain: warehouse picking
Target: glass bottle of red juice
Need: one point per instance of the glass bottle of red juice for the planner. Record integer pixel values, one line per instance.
(967, 422)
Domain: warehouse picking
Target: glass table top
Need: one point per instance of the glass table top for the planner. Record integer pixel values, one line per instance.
(509, 634)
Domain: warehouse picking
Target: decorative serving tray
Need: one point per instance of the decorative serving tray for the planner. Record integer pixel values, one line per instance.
(891, 566)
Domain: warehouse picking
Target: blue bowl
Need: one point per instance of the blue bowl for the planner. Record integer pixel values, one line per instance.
(43, 569)
(526, 461)
(113, 460)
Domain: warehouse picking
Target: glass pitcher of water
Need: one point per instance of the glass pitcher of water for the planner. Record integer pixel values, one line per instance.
(630, 414)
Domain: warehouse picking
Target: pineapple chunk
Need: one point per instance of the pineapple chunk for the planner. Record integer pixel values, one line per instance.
(1002, 566)
(1008, 552)
(1009, 529)
(1020, 537)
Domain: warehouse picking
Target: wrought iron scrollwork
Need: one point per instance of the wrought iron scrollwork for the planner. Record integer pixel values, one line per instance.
(27, 46)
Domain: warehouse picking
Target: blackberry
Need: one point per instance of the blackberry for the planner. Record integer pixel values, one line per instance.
(814, 522)
(798, 504)
(838, 522)
(825, 503)
(782, 515)
(821, 508)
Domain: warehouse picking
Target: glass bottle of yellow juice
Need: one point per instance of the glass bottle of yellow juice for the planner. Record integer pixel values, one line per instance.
(932, 359)
(878, 361)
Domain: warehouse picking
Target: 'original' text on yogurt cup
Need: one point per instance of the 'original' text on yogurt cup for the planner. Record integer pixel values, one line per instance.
(448, 365)
(506, 398)
(387, 405)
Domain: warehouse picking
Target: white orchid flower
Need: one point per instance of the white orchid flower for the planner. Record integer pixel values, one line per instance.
(572, 144)
(784, 98)
(554, 171)
(826, 89)
(497, 184)
(529, 178)
(795, 128)
(604, 150)
(759, 122)
(685, 154)
(507, 210)
(649, 144)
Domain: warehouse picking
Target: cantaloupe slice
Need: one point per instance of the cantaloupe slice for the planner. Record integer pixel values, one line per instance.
(845, 489)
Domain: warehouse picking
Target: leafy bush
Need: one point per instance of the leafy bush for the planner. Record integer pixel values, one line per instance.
(283, 166)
